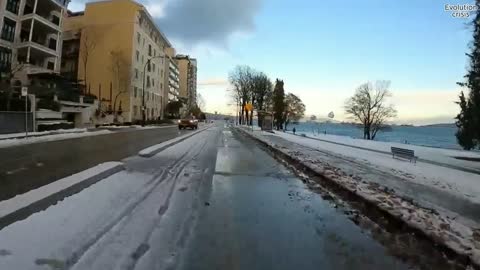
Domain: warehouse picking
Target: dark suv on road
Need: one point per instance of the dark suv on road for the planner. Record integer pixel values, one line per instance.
(190, 123)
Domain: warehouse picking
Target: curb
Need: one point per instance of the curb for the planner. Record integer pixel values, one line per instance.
(41, 135)
(452, 247)
(155, 149)
(22, 206)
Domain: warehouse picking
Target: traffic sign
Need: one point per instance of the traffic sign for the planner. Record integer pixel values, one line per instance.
(24, 91)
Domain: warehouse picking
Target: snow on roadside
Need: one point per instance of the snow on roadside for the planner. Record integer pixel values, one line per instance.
(48, 138)
(52, 236)
(463, 239)
(461, 183)
(42, 133)
(21, 201)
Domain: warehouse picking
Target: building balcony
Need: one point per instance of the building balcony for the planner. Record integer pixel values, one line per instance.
(37, 46)
(53, 25)
(38, 60)
(42, 38)
(48, 12)
(173, 76)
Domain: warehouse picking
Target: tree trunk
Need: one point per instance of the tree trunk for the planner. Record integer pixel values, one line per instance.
(246, 117)
(243, 113)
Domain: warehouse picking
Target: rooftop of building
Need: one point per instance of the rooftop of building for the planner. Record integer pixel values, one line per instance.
(141, 7)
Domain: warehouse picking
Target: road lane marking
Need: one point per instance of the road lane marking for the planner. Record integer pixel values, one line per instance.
(16, 170)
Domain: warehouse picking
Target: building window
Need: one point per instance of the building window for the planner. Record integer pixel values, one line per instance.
(153, 67)
(52, 44)
(138, 38)
(149, 50)
(148, 81)
(5, 59)
(8, 29)
(12, 6)
(143, 59)
(153, 82)
(144, 42)
(135, 91)
(135, 109)
(161, 86)
(137, 55)
(55, 20)
(50, 65)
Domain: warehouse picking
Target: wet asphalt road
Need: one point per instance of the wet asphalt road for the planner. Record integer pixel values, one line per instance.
(27, 167)
(260, 216)
(215, 201)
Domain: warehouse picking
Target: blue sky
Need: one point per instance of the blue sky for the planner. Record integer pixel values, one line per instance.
(324, 49)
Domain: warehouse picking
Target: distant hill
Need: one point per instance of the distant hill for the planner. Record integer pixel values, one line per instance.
(446, 125)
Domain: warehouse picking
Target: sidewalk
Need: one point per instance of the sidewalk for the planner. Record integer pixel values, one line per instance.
(405, 190)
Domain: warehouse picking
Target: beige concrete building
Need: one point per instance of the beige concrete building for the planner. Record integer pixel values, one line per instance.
(30, 41)
(121, 51)
(187, 67)
(172, 78)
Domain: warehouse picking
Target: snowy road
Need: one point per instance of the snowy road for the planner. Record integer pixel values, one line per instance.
(214, 201)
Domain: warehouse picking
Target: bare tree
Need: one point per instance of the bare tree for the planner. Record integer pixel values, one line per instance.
(262, 92)
(200, 102)
(367, 106)
(88, 42)
(241, 80)
(294, 109)
(8, 86)
(121, 77)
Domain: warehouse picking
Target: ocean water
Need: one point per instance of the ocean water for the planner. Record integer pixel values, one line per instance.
(441, 136)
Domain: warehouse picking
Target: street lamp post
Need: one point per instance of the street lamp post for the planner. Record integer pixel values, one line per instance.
(144, 118)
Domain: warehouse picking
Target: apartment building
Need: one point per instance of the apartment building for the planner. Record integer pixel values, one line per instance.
(121, 52)
(172, 79)
(31, 37)
(187, 67)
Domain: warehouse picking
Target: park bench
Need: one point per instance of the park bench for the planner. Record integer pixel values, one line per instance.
(404, 153)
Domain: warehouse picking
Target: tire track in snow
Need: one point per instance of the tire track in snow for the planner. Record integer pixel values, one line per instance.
(156, 180)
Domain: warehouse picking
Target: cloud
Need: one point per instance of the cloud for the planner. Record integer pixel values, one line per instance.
(208, 21)
(193, 22)
(214, 81)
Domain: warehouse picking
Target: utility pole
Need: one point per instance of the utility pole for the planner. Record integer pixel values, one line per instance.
(25, 94)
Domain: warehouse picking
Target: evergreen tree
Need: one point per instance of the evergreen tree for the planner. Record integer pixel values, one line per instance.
(465, 136)
(278, 104)
(468, 120)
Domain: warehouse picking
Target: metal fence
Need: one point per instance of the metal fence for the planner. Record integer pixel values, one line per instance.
(14, 122)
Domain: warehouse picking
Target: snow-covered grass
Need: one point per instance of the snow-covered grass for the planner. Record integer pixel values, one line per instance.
(22, 201)
(47, 138)
(41, 133)
(441, 155)
(463, 184)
